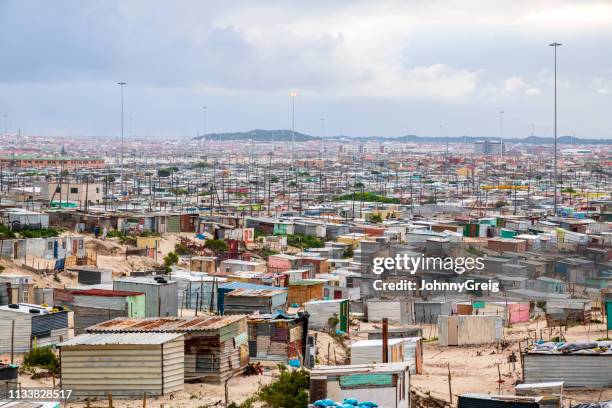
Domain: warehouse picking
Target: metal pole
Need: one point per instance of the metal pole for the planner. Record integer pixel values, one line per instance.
(385, 340)
(555, 45)
(293, 94)
(121, 84)
(501, 134)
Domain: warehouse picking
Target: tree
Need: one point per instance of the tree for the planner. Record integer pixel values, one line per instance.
(375, 218)
(216, 245)
(169, 260)
(164, 172)
(501, 203)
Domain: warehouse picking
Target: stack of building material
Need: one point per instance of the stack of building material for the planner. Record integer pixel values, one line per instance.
(216, 347)
(469, 330)
(551, 393)
(321, 311)
(248, 301)
(277, 337)
(95, 365)
(470, 400)
(34, 326)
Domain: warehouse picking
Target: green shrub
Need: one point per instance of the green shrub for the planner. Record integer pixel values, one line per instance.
(217, 245)
(182, 249)
(39, 233)
(43, 357)
(369, 197)
(5, 232)
(304, 241)
(289, 390)
(114, 234)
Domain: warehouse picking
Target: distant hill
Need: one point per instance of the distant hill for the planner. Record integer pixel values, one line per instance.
(260, 135)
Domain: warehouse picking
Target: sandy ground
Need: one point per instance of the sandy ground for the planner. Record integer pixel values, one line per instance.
(472, 369)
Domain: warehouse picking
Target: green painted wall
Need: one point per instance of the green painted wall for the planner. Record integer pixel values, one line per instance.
(136, 306)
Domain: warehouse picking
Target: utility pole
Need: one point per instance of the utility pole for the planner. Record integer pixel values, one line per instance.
(501, 134)
(205, 126)
(121, 84)
(293, 94)
(555, 45)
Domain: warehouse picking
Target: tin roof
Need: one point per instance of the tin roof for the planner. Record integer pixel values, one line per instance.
(165, 324)
(246, 285)
(106, 293)
(255, 292)
(100, 339)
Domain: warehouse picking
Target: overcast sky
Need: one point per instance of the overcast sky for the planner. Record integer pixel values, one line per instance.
(368, 67)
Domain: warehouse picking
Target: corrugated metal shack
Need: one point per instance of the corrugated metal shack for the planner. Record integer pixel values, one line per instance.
(93, 306)
(216, 347)
(248, 301)
(123, 364)
(394, 332)
(397, 311)
(303, 291)
(469, 330)
(91, 275)
(231, 286)
(563, 311)
(277, 337)
(428, 312)
(471, 400)
(408, 350)
(33, 325)
(195, 290)
(388, 385)
(370, 351)
(161, 295)
(576, 364)
(322, 310)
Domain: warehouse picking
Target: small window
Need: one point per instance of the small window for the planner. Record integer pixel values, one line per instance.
(49, 245)
(97, 190)
(63, 244)
(74, 190)
(80, 244)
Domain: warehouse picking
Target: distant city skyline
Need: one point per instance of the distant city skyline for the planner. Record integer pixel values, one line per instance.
(369, 68)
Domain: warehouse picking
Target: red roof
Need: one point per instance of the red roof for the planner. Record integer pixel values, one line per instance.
(106, 293)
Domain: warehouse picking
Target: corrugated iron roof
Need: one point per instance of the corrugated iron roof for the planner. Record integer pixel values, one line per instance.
(106, 293)
(165, 324)
(245, 285)
(100, 339)
(255, 292)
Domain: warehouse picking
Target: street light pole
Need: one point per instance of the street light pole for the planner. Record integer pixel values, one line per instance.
(555, 45)
(205, 125)
(501, 134)
(121, 84)
(293, 94)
